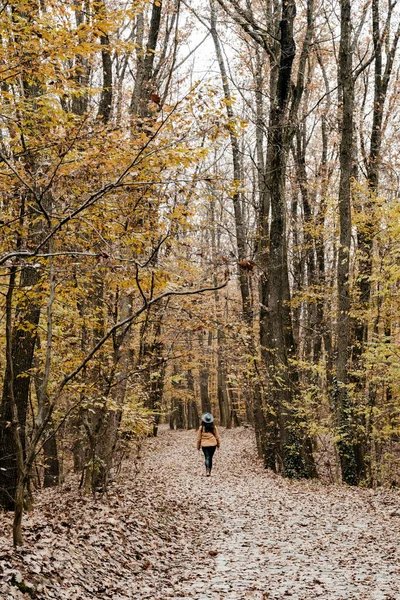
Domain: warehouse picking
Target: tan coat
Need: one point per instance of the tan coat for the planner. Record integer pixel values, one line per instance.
(207, 439)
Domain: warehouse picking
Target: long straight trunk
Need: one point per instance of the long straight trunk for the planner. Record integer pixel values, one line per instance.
(204, 372)
(298, 270)
(8, 464)
(193, 420)
(237, 176)
(298, 122)
(102, 425)
(178, 418)
(50, 449)
(144, 85)
(367, 231)
(280, 346)
(343, 407)
(264, 204)
(80, 102)
(204, 392)
(225, 413)
(14, 495)
(265, 410)
(106, 96)
(151, 357)
(299, 153)
(323, 331)
(16, 390)
(18, 379)
(50, 454)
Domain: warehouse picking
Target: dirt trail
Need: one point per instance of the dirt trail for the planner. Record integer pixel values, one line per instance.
(274, 538)
(242, 534)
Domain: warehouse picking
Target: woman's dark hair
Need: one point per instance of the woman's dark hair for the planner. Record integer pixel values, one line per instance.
(208, 427)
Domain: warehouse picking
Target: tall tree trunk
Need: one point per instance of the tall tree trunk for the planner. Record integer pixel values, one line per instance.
(50, 455)
(343, 407)
(80, 102)
(237, 177)
(178, 406)
(222, 391)
(276, 316)
(17, 382)
(367, 230)
(193, 420)
(323, 331)
(106, 96)
(225, 412)
(204, 374)
(299, 153)
(13, 495)
(204, 395)
(144, 85)
(50, 450)
(151, 356)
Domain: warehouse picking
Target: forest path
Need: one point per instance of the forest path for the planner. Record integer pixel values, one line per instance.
(273, 538)
(169, 532)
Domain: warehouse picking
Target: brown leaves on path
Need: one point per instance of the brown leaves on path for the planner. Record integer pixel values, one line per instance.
(241, 534)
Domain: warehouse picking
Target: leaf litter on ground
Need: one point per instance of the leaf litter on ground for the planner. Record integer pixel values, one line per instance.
(170, 532)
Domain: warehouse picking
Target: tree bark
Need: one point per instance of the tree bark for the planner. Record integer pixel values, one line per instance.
(80, 102)
(237, 176)
(280, 346)
(151, 356)
(343, 407)
(16, 386)
(367, 230)
(143, 88)
(106, 95)
(193, 421)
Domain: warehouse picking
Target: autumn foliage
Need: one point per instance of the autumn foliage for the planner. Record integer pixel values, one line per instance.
(130, 186)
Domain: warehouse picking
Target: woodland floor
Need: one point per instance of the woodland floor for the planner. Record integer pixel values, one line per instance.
(170, 532)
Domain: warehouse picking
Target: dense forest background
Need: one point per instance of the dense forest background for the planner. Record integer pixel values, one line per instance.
(199, 212)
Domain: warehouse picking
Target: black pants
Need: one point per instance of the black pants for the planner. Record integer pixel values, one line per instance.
(208, 454)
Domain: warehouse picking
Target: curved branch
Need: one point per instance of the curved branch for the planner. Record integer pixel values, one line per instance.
(129, 321)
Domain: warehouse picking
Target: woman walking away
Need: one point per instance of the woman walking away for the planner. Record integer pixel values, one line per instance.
(208, 440)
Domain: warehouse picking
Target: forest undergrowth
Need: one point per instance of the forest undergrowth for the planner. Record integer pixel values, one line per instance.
(170, 532)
